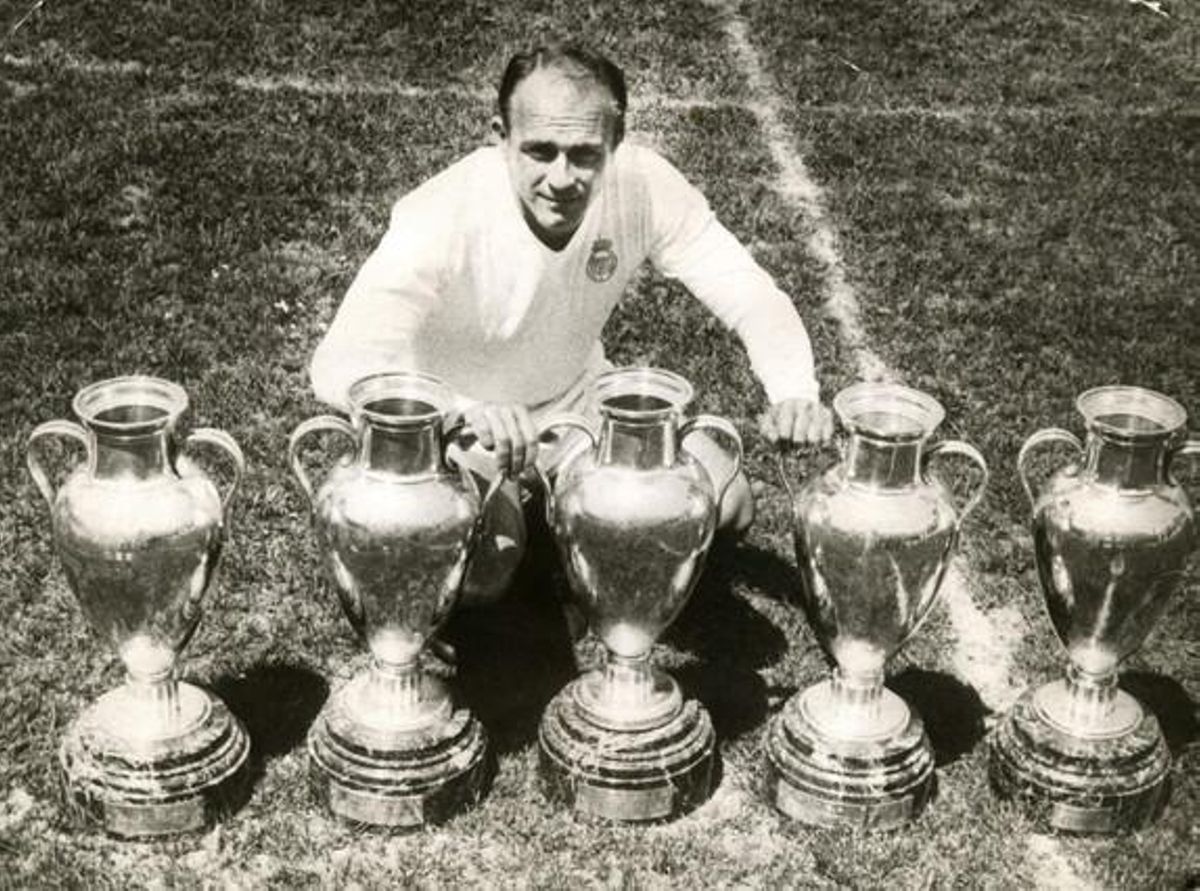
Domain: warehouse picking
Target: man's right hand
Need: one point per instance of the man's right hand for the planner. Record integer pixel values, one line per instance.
(507, 430)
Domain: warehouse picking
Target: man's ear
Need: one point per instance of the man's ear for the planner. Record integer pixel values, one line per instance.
(498, 133)
(616, 129)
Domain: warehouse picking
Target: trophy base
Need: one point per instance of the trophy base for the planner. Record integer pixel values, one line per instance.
(628, 776)
(400, 779)
(154, 787)
(877, 782)
(1077, 784)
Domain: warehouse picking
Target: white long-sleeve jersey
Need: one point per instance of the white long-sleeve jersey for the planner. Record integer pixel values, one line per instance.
(461, 288)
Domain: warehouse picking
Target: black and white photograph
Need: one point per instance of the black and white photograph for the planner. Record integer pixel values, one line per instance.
(616, 444)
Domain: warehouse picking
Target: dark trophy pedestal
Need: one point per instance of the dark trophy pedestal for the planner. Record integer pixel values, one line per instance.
(872, 780)
(1076, 783)
(398, 776)
(646, 762)
(161, 785)
(1113, 535)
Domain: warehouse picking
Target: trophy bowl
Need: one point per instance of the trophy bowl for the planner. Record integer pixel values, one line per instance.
(1113, 536)
(633, 517)
(873, 537)
(395, 526)
(138, 529)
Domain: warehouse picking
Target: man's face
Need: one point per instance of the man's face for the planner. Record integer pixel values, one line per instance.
(559, 140)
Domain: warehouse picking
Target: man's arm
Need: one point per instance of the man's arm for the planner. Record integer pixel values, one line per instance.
(688, 243)
(378, 324)
(374, 328)
(720, 272)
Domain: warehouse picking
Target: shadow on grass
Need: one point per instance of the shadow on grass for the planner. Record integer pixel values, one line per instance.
(718, 625)
(952, 711)
(277, 704)
(736, 698)
(515, 654)
(1169, 702)
(731, 639)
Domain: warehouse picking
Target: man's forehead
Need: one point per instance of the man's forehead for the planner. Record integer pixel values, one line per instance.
(552, 101)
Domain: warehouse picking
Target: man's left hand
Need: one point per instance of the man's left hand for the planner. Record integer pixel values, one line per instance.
(797, 422)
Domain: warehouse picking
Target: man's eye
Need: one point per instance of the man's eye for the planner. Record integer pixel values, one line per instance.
(543, 153)
(586, 157)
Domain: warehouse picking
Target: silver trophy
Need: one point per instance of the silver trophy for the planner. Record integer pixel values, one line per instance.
(633, 516)
(138, 528)
(395, 526)
(873, 537)
(1113, 534)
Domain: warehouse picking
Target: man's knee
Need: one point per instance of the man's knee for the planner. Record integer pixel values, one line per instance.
(498, 548)
(736, 510)
(737, 507)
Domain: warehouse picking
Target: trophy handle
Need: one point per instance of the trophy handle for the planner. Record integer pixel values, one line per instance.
(457, 429)
(485, 502)
(1049, 434)
(561, 419)
(782, 448)
(225, 442)
(465, 441)
(964, 450)
(322, 422)
(41, 478)
(1190, 448)
(722, 426)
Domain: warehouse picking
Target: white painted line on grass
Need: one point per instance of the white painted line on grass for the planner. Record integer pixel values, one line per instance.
(37, 4)
(985, 641)
(799, 188)
(311, 86)
(75, 64)
(985, 644)
(643, 101)
(1154, 6)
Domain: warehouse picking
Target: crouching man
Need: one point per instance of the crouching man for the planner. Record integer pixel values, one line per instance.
(498, 274)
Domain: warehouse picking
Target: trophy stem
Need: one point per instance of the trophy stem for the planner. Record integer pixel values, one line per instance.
(397, 685)
(628, 680)
(852, 705)
(157, 701)
(858, 695)
(394, 697)
(627, 694)
(1091, 699)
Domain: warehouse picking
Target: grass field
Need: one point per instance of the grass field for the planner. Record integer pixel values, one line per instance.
(187, 188)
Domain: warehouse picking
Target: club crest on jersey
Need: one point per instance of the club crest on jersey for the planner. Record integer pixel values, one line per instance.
(603, 262)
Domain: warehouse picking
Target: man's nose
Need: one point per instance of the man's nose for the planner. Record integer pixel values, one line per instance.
(561, 174)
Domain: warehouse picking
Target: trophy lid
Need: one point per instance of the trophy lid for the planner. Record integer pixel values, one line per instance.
(887, 411)
(1130, 412)
(400, 398)
(131, 405)
(641, 393)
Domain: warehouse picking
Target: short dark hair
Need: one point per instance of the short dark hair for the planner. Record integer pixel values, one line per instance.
(571, 59)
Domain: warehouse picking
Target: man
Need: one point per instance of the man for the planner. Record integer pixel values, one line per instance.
(498, 275)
